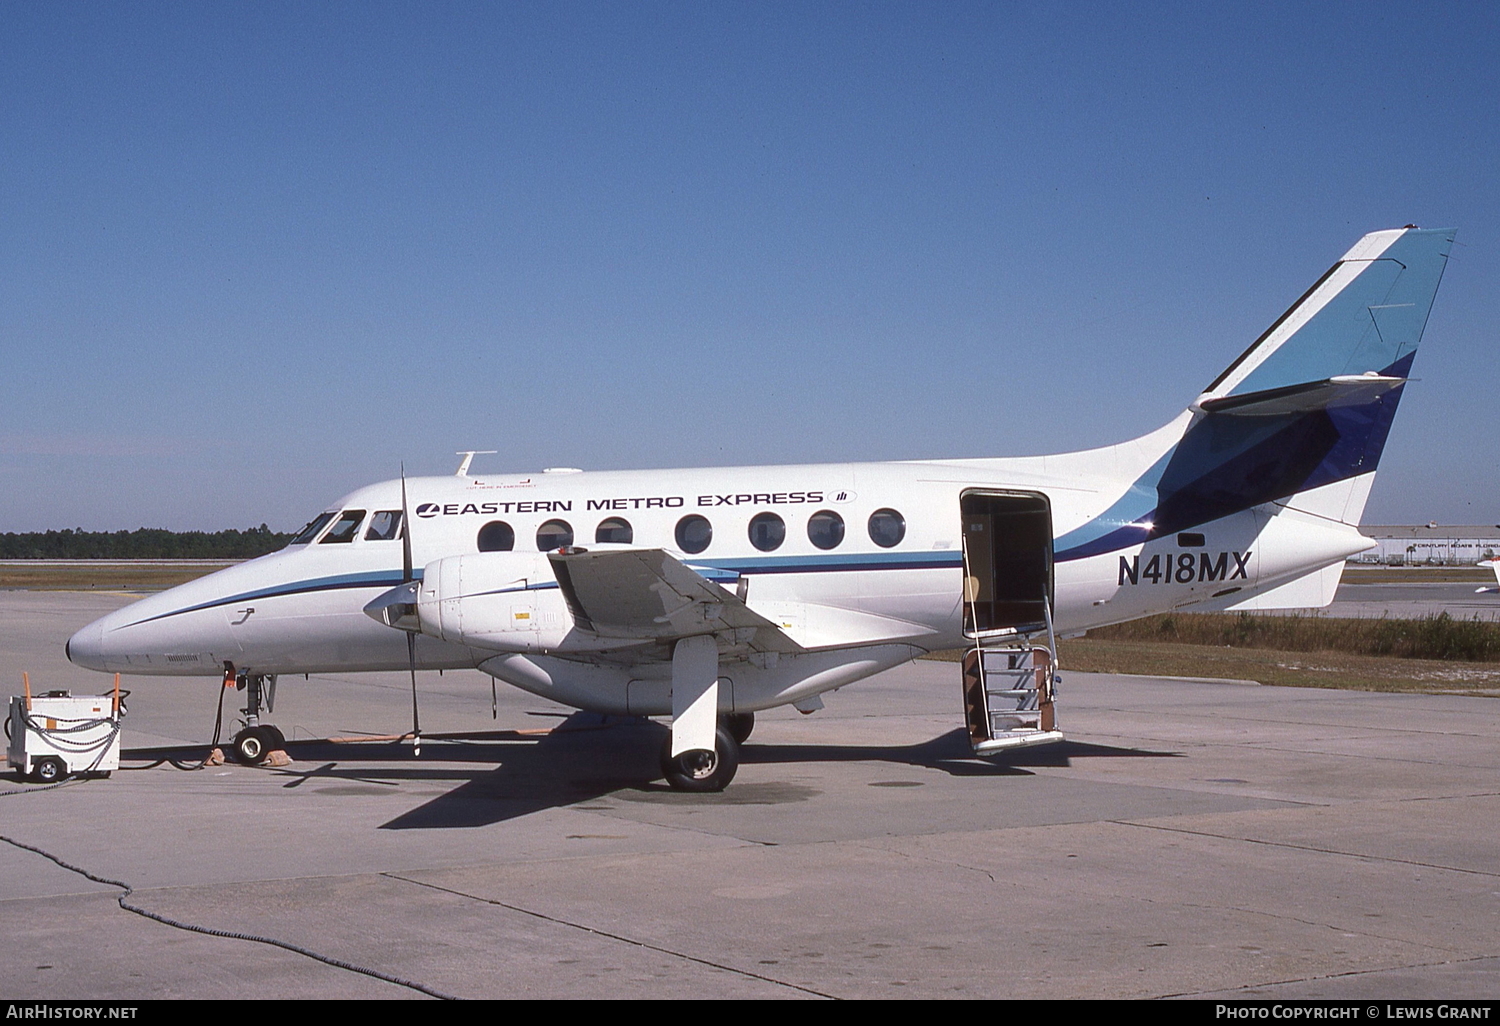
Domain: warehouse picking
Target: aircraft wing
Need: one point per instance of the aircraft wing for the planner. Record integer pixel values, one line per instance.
(648, 594)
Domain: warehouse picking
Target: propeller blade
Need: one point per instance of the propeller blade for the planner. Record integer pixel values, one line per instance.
(411, 638)
(405, 531)
(416, 723)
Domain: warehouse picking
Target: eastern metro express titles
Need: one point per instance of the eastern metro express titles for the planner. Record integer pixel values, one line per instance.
(456, 509)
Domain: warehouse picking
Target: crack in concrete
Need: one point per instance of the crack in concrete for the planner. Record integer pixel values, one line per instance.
(645, 945)
(123, 901)
(1333, 976)
(916, 857)
(1304, 847)
(1352, 931)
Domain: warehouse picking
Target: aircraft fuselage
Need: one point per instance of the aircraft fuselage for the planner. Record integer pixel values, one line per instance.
(870, 558)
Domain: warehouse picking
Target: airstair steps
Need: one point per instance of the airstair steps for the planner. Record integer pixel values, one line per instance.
(1010, 687)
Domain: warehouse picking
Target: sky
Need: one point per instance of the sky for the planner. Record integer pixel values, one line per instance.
(256, 255)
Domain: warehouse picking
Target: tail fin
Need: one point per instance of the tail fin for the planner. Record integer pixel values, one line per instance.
(1366, 314)
(1301, 417)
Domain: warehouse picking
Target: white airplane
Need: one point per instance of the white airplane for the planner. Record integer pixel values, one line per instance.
(1494, 565)
(709, 594)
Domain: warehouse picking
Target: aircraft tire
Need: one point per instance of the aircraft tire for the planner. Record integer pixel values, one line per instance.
(702, 771)
(740, 725)
(274, 737)
(252, 745)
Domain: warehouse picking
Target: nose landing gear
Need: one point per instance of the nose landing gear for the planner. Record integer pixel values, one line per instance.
(258, 742)
(254, 745)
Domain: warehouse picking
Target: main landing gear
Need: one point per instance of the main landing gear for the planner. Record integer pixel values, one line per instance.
(739, 725)
(703, 750)
(254, 744)
(699, 769)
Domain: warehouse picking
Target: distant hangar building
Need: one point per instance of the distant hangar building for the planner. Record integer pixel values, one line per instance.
(1430, 544)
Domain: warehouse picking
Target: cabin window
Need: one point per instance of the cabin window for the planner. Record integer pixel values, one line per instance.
(385, 525)
(496, 536)
(554, 534)
(614, 531)
(887, 528)
(694, 533)
(825, 529)
(315, 525)
(345, 528)
(767, 531)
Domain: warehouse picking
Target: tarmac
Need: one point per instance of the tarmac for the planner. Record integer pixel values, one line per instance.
(1412, 599)
(1191, 838)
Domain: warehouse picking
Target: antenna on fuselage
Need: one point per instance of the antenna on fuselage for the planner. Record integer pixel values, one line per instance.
(468, 455)
(411, 637)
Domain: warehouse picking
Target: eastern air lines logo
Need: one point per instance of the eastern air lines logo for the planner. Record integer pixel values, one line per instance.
(429, 509)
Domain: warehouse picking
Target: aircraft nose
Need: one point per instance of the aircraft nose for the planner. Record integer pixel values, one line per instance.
(86, 647)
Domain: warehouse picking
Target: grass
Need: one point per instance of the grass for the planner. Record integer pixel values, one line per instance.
(1431, 654)
(1371, 574)
(86, 577)
(1287, 668)
(1438, 636)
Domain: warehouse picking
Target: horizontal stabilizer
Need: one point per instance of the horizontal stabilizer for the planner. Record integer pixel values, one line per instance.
(1367, 313)
(1310, 591)
(1331, 393)
(1494, 565)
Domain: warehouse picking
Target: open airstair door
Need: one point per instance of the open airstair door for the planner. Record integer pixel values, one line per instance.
(1009, 676)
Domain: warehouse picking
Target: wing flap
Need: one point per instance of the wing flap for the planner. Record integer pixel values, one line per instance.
(815, 626)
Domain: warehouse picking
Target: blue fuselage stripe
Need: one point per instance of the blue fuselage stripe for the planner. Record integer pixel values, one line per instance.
(724, 569)
(376, 579)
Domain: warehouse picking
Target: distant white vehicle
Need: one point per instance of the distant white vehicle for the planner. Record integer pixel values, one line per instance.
(709, 594)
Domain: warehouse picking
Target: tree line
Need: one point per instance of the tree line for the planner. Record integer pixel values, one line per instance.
(142, 543)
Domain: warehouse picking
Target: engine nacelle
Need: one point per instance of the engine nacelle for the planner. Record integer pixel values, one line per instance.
(504, 601)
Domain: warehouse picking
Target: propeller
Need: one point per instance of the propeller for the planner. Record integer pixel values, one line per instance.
(411, 636)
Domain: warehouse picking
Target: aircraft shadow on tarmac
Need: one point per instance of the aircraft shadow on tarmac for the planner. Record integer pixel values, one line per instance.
(507, 774)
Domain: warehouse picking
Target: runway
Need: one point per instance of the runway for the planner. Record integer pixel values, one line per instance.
(1190, 838)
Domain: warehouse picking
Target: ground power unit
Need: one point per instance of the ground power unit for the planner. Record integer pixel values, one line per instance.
(56, 735)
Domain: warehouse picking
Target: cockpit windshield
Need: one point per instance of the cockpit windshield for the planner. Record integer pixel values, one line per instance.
(315, 525)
